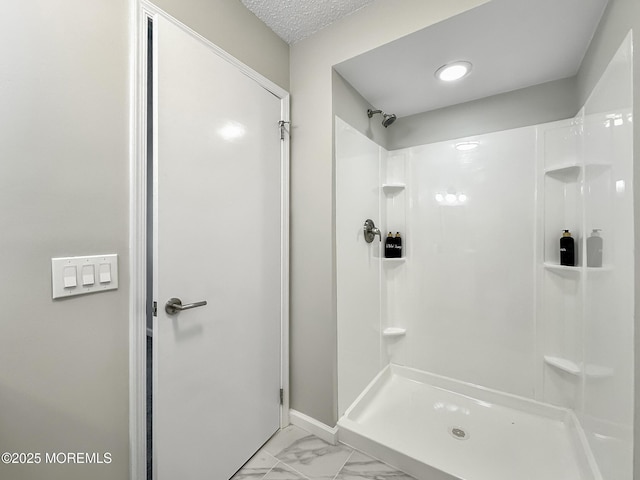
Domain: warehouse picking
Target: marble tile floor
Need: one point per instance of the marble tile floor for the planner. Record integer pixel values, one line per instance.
(294, 454)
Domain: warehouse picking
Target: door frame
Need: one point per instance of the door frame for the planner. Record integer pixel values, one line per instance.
(140, 12)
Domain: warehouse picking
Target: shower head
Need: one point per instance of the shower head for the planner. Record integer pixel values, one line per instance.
(387, 118)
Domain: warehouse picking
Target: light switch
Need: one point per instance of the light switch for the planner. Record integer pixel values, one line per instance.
(70, 279)
(72, 276)
(105, 273)
(88, 275)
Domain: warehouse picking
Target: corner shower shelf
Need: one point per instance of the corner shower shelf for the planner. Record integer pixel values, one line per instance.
(394, 332)
(392, 188)
(570, 172)
(591, 371)
(567, 172)
(563, 364)
(562, 269)
(394, 260)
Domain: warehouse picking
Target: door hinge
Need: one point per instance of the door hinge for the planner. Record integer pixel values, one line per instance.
(281, 396)
(155, 309)
(282, 124)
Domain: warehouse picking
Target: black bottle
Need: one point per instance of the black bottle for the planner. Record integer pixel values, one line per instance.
(567, 250)
(398, 246)
(389, 246)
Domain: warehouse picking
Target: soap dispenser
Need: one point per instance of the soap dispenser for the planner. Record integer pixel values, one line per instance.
(594, 249)
(398, 245)
(389, 246)
(567, 250)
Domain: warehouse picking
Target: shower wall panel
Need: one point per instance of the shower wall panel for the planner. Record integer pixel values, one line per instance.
(357, 191)
(607, 410)
(466, 296)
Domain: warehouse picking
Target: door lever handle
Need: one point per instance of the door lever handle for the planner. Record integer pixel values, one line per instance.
(175, 305)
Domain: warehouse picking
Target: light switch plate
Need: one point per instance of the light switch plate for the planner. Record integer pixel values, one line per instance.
(58, 266)
(88, 274)
(70, 276)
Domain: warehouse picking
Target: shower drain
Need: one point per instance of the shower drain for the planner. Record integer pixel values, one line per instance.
(458, 433)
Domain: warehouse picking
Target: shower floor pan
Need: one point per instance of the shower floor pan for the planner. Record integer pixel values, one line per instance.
(436, 428)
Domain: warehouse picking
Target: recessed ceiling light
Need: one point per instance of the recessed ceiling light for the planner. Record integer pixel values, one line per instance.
(466, 146)
(453, 71)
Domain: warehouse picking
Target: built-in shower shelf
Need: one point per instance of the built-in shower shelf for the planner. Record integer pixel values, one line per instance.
(394, 332)
(561, 269)
(393, 188)
(563, 364)
(392, 261)
(590, 371)
(568, 172)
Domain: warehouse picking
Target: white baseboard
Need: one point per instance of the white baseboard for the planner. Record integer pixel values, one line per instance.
(313, 426)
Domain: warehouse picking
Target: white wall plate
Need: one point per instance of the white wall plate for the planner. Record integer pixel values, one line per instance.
(79, 275)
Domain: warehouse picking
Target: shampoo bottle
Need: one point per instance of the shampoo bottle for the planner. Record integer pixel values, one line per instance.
(398, 245)
(567, 250)
(389, 246)
(594, 249)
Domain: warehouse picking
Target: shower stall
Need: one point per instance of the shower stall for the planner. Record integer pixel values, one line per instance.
(476, 355)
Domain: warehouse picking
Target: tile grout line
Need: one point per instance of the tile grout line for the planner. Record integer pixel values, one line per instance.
(286, 464)
(270, 468)
(308, 478)
(305, 477)
(274, 465)
(265, 475)
(296, 471)
(334, 477)
(345, 462)
(269, 455)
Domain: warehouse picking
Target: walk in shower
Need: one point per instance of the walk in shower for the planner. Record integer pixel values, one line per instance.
(476, 355)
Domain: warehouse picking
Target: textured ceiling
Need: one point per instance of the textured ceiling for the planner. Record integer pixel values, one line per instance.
(294, 20)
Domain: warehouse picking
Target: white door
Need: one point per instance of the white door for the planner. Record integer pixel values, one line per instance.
(217, 238)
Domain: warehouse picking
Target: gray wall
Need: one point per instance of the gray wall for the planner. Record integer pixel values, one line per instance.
(352, 107)
(618, 19)
(63, 191)
(64, 187)
(236, 30)
(542, 103)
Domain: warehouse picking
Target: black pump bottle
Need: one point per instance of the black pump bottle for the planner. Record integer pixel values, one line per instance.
(398, 246)
(567, 250)
(389, 246)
